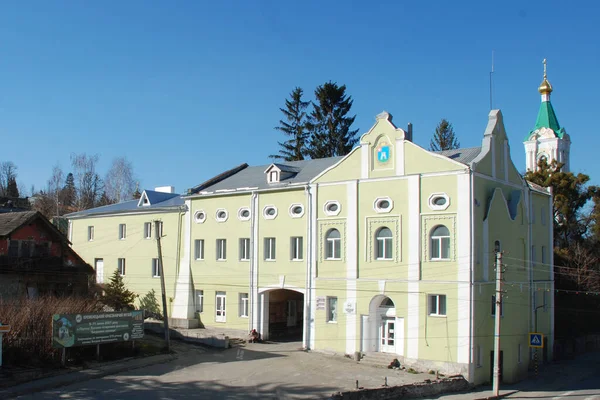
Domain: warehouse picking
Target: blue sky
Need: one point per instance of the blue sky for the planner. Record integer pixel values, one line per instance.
(188, 89)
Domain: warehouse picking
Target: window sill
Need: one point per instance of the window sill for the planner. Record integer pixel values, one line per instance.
(198, 259)
(243, 316)
(332, 322)
(244, 260)
(438, 315)
(156, 276)
(221, 322)
(440, 259)
(270, 260)
(333, 259)
(297, 260)
(221, 259)
(384, 259)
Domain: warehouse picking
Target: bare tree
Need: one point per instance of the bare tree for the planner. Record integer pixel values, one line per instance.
(8, 173)
(88, 184)
(55, 190)
(119, 182)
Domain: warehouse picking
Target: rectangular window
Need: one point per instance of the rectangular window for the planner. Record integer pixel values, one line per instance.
(147, 230)
(13, 248)
(270, 249)
(155, 268)
(244, 249)
(332, 309)
(160, 228)
(479, 356)
(121, 266)
(122, 231)
(221, 249)
(41, 249)
(199, 301)
(544, 255)
(494, 306)
(220, 306)
(27, 247)
(90, 233)
(199, 249)
(296, 249)
(437, 304)
(244, 305)
(519, 354)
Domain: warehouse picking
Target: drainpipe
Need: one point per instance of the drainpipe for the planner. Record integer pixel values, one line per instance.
(178, 256)
(307, 291)
(472, 277)
(253, 219)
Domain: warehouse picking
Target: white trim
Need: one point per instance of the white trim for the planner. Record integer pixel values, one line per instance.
(183, 302)
(313, 262)
(364, 161)
(464, 258)
(330, 203)
(291, 210)
(399, 157)
(199, 216)
(351, 265)
(241, 210)
(486, 250)
(277, 286)
(378, 209)
(441, 157)
(399, 178)
(414, 266)
(493, 149)
(219, 211)
(506, 150)
(255, 300)
(551, 260)
(267, 216)
(434, 196)
(334, 165)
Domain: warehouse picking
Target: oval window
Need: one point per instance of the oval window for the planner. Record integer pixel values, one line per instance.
(270, 211)
(297, 210)
(333, 207)
(384, 204)
(222, 215)
(199, 216)
(439, 201)
(245, 213)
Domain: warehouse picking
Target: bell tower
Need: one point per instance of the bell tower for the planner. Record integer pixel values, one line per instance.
(547, 139)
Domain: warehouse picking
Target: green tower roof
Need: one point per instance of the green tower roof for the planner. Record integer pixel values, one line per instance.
(547, 119)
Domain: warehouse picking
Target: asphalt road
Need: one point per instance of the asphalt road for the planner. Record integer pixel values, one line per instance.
(260, 371)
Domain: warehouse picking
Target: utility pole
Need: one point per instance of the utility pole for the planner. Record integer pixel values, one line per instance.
(499, 267)
(157, 233)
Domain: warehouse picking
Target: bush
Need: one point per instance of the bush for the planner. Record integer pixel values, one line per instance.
(30, 340)
(149, 303)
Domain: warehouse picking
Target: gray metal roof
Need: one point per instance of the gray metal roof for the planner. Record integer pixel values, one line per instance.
(11, 221)
(255, 178)
(158, 200)
(464, 156)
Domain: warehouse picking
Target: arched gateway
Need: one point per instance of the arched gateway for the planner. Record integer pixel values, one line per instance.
(382, 330)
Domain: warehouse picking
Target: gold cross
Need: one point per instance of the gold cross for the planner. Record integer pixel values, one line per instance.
(544, 62)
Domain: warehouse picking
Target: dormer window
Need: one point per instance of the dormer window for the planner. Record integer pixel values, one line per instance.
(279, 172)
(273, 177)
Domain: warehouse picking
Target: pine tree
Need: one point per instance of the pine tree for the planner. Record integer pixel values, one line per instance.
(116, 295)
(444, 137)
(136, 194)
(68, 192)
(329, 123)
(104, 200)
(12, 189)
(294, 126)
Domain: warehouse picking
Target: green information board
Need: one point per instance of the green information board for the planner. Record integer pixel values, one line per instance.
(71, 330)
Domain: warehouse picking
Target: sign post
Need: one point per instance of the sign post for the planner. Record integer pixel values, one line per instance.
(536, 341)
(3, 329)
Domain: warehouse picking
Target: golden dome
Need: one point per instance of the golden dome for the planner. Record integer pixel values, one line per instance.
(545, 87)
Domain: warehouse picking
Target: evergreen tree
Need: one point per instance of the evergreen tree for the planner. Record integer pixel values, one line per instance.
(68, 192)
(104, 200)
(136, 194)
(149, 303)
(294, 126)
(116, 295)
(329, 123)
(444, 137)
(12, 190)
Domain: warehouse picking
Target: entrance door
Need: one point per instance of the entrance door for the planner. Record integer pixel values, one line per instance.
(220, 310)
(387, 335)
(99, 265)
(291, 313)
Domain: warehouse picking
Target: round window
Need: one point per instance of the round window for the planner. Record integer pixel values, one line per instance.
(270, 211)
(384, 204)
(199, 216)
(297, 210)
(245, 213)
(222, 215)
(333, 207)
(439, 201)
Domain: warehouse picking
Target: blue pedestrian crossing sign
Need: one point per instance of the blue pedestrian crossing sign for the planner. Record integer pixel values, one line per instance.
(536, 340)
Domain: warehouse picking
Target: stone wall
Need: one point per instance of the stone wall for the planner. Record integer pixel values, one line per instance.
(425, 389)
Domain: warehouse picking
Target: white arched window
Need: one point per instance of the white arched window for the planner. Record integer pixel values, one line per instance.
(333, 246)
(440, 243)
(383, 245)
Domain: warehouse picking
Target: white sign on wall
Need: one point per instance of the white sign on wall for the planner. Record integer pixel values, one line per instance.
(349, 308)
(320, 302)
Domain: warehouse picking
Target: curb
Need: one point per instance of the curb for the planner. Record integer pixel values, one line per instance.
(509, 393)
(57, 381)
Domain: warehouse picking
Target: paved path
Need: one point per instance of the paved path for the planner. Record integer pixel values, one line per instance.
(576, 379)
(277, 371)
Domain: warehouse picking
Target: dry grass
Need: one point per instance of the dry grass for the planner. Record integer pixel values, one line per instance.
(30, 339)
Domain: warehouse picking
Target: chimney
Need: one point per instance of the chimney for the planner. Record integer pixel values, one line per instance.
(165, 189)
(409, 136)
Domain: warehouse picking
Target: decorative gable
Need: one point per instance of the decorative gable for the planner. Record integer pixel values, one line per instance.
(144, 200)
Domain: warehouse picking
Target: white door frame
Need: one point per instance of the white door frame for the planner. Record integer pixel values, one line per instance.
(220, 306)
(99, 267)
(387, 336)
